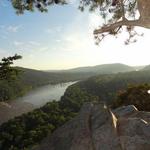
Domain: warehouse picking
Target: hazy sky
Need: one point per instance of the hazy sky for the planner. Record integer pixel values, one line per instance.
(62, 38)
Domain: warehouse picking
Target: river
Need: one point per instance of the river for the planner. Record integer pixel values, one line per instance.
(34, 99)
(44, 94)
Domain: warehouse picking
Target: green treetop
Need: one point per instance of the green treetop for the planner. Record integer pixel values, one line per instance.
(7, 72)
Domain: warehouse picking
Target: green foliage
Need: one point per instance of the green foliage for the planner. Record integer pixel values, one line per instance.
(9, 79)
(111, 12)
(7, 72)
(103, 69)
(30, 79)
(115, 14)
(106, 7)
(29, 129)
(105, 87)
(31, 5)
(134, 95)
(37, 78)
(14, 79)
(146, 67)
(9, 90)
(74, 98)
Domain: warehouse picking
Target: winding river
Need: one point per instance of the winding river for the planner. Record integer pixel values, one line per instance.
(44, 94)
(34, 99)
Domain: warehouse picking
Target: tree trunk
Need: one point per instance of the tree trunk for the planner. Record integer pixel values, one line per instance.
(143, 21)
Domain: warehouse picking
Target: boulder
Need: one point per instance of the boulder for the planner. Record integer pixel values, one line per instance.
(13, 109)
(98, 128)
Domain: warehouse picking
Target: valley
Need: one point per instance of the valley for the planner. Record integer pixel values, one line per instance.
(50, 106)
(34, 99)
(74, 75)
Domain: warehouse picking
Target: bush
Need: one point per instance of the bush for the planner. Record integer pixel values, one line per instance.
(134, 95)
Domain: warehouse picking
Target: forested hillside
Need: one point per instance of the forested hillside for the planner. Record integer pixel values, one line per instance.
(29, 79)
(18, 134)
(27, 130)
(146, 67)
(105, 87)
(38, 78)
(137, 95)
(101, 69)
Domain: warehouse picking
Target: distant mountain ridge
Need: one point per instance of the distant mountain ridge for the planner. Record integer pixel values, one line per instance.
(37, 78)
(100, 69)
(138, 68)
(146, 67)
(105, 68)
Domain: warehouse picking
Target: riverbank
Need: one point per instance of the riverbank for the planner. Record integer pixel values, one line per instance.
(12, 109)
(40, 96)
(33, 99)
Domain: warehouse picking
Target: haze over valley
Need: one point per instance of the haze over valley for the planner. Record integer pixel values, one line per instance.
(74, 75)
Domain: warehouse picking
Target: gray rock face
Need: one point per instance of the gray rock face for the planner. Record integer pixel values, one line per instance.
(13, 109)
(98, 128)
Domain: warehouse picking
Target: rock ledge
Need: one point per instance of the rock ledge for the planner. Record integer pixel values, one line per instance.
(98, 128)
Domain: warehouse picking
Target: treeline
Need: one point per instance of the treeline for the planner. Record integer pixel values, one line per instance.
(12, 90)
(74, 98)
(137, 95)
(29, 79)
(106, 86)
(37, 78)
(16, 81)
(26, 131)
(10, 84)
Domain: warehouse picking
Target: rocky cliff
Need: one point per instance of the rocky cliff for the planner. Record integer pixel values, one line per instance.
(13, 109)
(98, 128)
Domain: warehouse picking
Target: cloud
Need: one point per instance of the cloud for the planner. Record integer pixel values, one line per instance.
(13, 28)
(17, 43)
(53, 30)
(43, 49)
(78, 39)
(27, 44)
(49, 30)
(34, 43)
(31, 47)
(58, 40)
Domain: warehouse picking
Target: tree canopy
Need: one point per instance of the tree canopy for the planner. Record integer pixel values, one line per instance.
(6, 71)
(137, 95)
(31, 5)
(116, 13)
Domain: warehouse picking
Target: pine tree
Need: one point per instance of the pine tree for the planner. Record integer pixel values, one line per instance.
(7, 72)
(116, 13)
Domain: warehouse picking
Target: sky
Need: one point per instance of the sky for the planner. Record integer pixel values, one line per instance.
(63, 38)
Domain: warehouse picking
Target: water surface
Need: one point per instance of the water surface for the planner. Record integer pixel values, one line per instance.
(38, 97)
